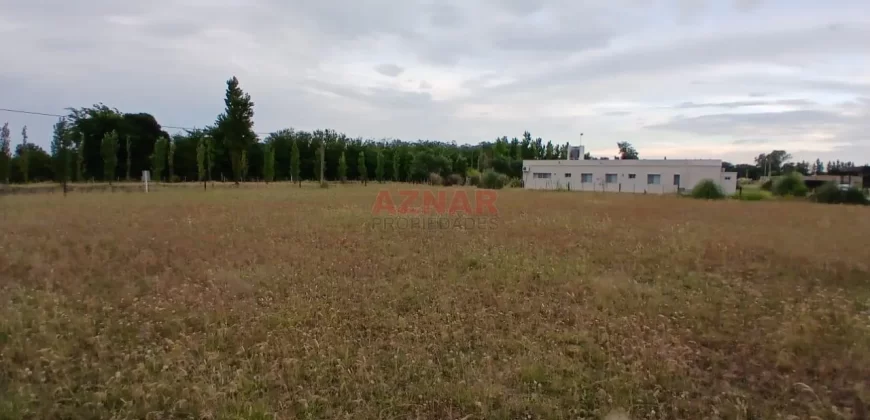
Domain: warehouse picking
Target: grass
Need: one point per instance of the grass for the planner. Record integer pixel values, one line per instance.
(281, 302)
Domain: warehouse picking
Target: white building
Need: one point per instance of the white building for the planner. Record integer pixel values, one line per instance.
(634, 176)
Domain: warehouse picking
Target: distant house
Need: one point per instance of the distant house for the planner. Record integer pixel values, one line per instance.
(631, 176)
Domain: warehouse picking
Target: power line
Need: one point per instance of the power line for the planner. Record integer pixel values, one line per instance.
(44, 114)
(18, 111)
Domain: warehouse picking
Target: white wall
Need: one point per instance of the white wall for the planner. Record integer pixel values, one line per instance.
(565, 174)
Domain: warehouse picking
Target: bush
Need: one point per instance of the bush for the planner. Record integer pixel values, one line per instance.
(750, 195)
(515, 183)
(791, 184)
(854, 196)
(453, 179)
(767, 185)
(830, 193)
(493, 180)
(708, 190)
(472, 177)
(435, 179)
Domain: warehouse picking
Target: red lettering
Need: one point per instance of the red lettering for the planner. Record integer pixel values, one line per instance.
(460, 203)
(410, 198)
(430, 203)
(383, 203)
(484, 202)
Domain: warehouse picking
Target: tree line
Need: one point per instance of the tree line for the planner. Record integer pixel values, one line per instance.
(779, 162)
(100, 143)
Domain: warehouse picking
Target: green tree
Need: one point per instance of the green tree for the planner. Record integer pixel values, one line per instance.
(460, 165)
(41, 167)
(158, 158)
(24, 163)
(379, 166)
(363, 171)
(5, 153)
(209, 156)
(129, 150)
(269, 163)
(235, 126)
(549, 152)
(397, 157)
(342, 168)
(201, 168)
(771, 163)
(295, 164)
(80, 159)
(818, 167)
(627, 151)
(60, 152)
(244, 165)
(110, 155)
(171, 160)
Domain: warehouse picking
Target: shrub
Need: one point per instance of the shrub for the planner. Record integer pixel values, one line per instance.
(828, 193)
(854, 196)
(750, 195)
(493, 180)
(767, 185)
(472, 177)
(435, 179)
(708, 190)
(515, 183)
(791, 184)
(453, 179)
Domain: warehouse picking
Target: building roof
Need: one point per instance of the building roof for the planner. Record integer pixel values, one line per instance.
(627, 162)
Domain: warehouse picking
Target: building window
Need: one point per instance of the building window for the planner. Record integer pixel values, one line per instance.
(727, 178)
(586, 178)
(567, 175)
(653, 179)
(632, 176)
(610, 178)
(677, 179)
(541, 175)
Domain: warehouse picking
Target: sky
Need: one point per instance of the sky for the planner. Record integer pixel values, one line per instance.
(725, 79)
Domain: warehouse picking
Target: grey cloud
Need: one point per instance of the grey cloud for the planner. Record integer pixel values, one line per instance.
(390, 99)
(616, 113)
(741, 104)
(390, 70)
(445, 15)
(757, 94)
(700, 52)
(751, 141)
(579, 38)
(779, 122)
(425, 85)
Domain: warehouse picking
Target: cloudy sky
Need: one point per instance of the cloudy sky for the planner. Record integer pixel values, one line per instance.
(677, 78)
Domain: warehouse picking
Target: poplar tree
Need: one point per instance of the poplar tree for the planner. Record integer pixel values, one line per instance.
(24, 163)
(342, 168)
(269, 163)
(295, 169)
(363, 172)
(5, 153)
(379, 168)
(109, 150)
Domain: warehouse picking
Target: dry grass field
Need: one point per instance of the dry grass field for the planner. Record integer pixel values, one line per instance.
(281, 302)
